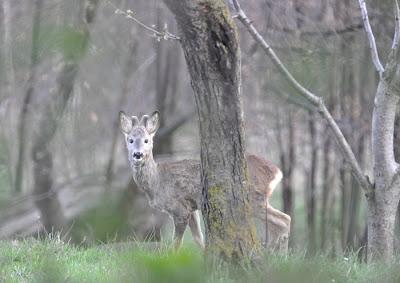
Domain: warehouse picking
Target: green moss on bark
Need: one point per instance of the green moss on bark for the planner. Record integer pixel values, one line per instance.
(228, 235)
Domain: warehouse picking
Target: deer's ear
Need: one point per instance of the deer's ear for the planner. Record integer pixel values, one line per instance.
(152, 123)
(125, 122)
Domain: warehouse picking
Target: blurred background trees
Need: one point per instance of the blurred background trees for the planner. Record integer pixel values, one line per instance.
(61, 90)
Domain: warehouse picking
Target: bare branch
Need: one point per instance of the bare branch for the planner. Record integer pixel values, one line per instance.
(371, 38)
(396, 37)
(391, 74)
(241, 16)
(159, 35)
(315, 100)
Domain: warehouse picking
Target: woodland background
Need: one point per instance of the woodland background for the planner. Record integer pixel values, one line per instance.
(63, 82)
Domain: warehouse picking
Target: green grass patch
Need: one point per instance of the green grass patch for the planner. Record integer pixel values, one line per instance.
(51, 260)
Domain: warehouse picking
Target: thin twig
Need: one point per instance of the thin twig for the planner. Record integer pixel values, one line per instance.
(371, 38)
(315, 100)
(396, 37)
(159, 35)
(391, 68)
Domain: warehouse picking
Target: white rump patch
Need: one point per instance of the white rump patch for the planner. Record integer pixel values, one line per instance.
(275, 181)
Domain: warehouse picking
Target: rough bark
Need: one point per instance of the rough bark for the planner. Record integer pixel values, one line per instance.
(210, 44)
(381, 222)
(383, 204)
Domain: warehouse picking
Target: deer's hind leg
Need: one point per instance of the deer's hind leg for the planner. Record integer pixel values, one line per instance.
(278, 229)
(195, 228)
(180, 227)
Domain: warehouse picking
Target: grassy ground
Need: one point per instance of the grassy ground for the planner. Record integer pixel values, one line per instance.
(51, 260)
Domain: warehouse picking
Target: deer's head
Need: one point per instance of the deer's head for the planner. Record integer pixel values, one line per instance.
(139, 136)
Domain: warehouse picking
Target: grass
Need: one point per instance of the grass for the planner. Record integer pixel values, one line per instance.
(51, 260)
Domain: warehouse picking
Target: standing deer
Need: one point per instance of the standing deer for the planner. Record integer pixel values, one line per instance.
(175, 187)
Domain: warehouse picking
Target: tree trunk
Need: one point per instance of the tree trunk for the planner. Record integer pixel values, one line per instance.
(311, 188)
(48, 204)
(287, 158)
(383, 204)
(381, 222)
(353, 237)
(51, 213)
(344, 200)
(8, 61)
(397, 159)
(354, 208)
(356, 140)
(210, 44)
(287, 168)
(27, 100)
(326, 192)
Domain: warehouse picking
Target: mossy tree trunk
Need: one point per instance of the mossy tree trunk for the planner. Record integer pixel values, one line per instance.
(209, 40)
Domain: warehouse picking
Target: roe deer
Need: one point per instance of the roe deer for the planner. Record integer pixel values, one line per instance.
(175, 187)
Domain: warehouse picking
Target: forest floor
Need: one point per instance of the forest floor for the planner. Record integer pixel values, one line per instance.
(51, 260)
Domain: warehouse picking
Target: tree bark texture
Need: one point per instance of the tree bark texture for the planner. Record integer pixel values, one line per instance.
(383, 203)
(210, 44)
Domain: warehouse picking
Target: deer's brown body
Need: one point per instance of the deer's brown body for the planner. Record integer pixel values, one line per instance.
(175, 187)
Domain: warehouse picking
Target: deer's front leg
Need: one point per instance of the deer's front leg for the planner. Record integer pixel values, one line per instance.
(180, 227)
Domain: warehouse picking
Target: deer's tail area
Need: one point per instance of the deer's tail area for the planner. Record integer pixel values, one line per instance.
(275, 181)
(264, 174)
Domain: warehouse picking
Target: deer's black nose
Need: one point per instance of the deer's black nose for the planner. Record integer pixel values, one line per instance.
(137, 155)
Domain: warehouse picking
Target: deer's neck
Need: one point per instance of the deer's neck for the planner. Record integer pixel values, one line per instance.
(147, 177)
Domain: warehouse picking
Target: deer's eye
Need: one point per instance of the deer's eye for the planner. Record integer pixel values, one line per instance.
(146, 141)
(130, 140)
